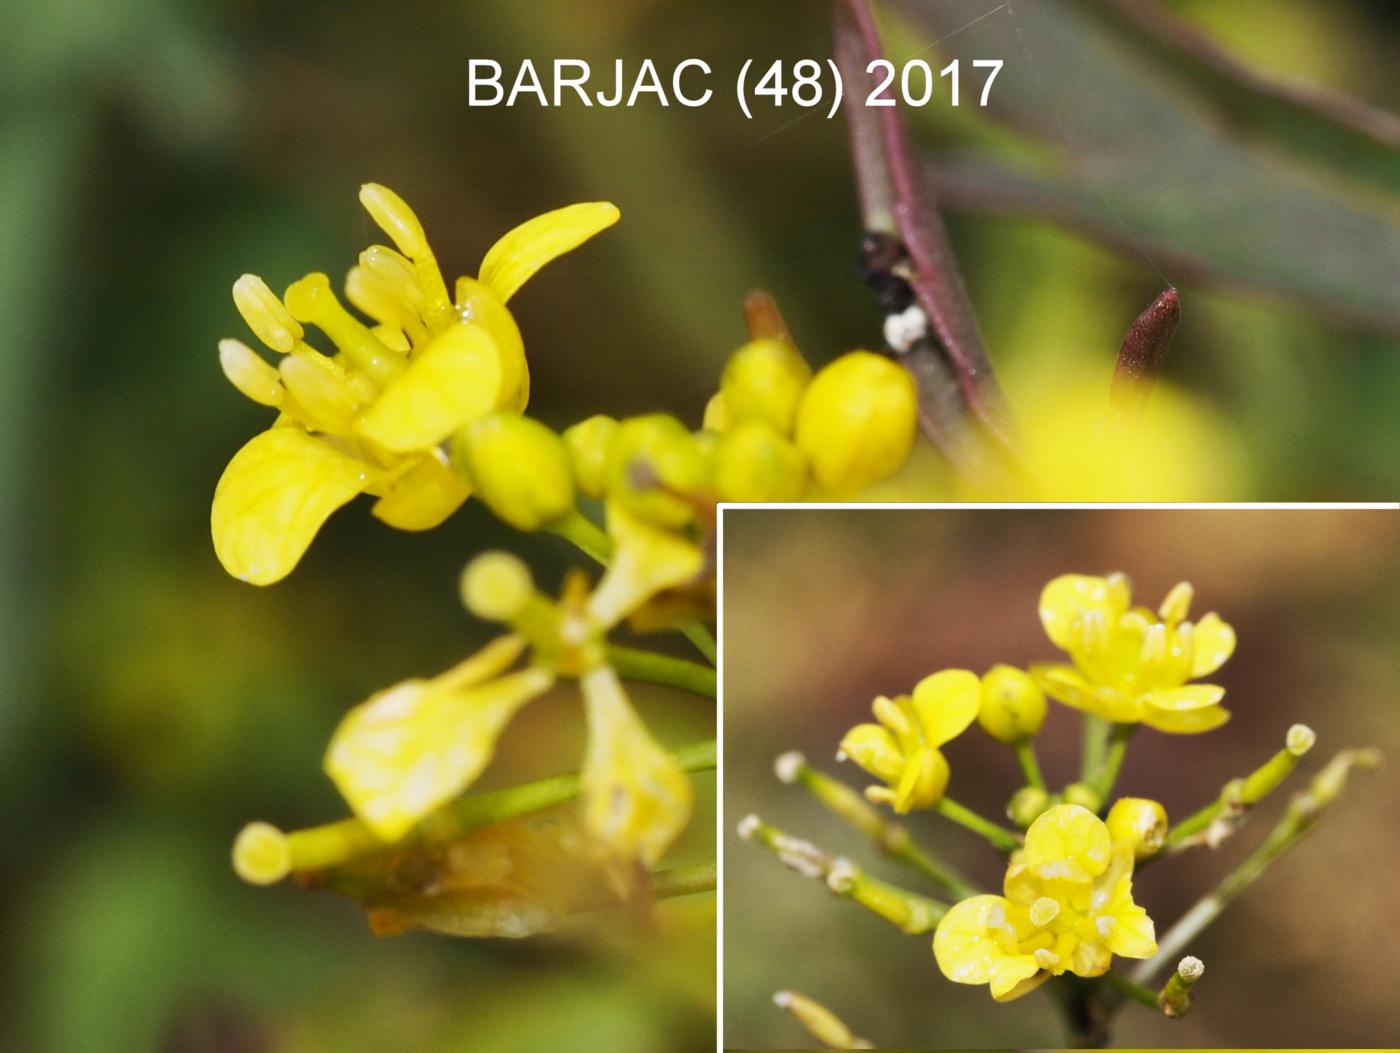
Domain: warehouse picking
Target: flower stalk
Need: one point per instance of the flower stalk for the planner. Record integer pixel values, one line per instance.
(1002, 839)
(823, 1025)
(649, 667)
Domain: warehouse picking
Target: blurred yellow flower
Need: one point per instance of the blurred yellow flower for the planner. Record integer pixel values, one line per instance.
(412, 748)
(902, 749)
(1068, 907)
(1129, 665)
(372, 418)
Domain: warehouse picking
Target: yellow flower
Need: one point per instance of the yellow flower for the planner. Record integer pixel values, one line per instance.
(1068, 907)
(1129, 665)
(412, 748)
(372, 418)
(902, 749)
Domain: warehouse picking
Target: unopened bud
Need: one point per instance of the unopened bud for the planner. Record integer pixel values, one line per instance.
(753, 463)
(518, 467)
(1013, 706)
(654, 463)
(856, 421)
(1027, 805)
(587, 443)
(1139, 822)
(764, 381)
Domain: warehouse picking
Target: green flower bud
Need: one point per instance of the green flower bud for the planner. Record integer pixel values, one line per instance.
(754, 463)
(1139, 822)
(1026, 805)
(518, 467)
(1082, 794)
(856, 421)
(764, 381)
(587, 443)
(651, 462)
(1013, 706)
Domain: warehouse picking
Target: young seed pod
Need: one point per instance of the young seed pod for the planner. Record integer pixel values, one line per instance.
(1139, 822)
(1013, 705)
(764, 381)
(754, 463)
(587, 443)
(856, 421)
(653, 464)
(518, 467)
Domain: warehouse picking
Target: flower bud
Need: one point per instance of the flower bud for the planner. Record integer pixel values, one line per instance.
(261, 854)
(1139, 822)
(653, 464)
(755, 463)
(764, 381)
(518, 467)
(496, 586)
(1082, 794)
(716, 415)
(1027, 805)
(856, 421)
(587, 443)
(1013, 705)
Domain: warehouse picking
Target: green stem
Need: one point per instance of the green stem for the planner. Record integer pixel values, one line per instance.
(890, 837)
(1095, 743)
(1136, 992)
(584, 534)
(1302, 815)
(333, 843)
(702, 639)
(1001, 838)
(909, 912)
(1107, 774)
(635, 664)
(1025, 754)
(684, 881)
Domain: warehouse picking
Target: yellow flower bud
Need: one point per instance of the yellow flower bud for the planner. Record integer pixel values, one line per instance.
(856, 421)
(587, 443)
(1013, 706)
(716, 415)
(652, 462)
(1139, 822)
(518, 467)
(764, 380)
(262, 854)
(496, 586)
(755, 463)
(1027, 805)
(1083, 795)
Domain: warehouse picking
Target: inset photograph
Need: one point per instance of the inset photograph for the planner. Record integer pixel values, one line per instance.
(1041, 777)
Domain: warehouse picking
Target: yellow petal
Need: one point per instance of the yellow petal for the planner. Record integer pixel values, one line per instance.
(1069, 842)
(426, 495)
(646, 560)
(415, 746)
(454, 381)
(1187, 697)
(1133, 935)
(923, 781)
(1212, 642)
(524, 250)
(875, 750)
(1072, 595)
(946, 703)
(970, 947)
(477, 304)
(273, 497)
(637, 798)
(1187, 721)
(1065, 683)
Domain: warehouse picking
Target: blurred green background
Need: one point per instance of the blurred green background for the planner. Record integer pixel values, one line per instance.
(153, 150)
(823, 610)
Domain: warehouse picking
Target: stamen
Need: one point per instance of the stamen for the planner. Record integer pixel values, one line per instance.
(1043, 911)
(1105, 924)
(266, 315)
(319, 387)
(1177, 605)
(1046, 958)
(397, 220)
(247, 371)
(311, 300)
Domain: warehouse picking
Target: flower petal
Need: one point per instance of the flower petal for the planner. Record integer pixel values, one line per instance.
(875, 750)
(423, 497)
(1070, 842)
(457, 378)
(1071, 595)
(923, 781)
(415, 746)
(1186, 721)
(946, 703)
(1134, 935)
(274, 496)
(646, 560)
(1064, 683)
(1212, 642)
(637, 798)
(524, 250)
(969, 946)
(1181, 699)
